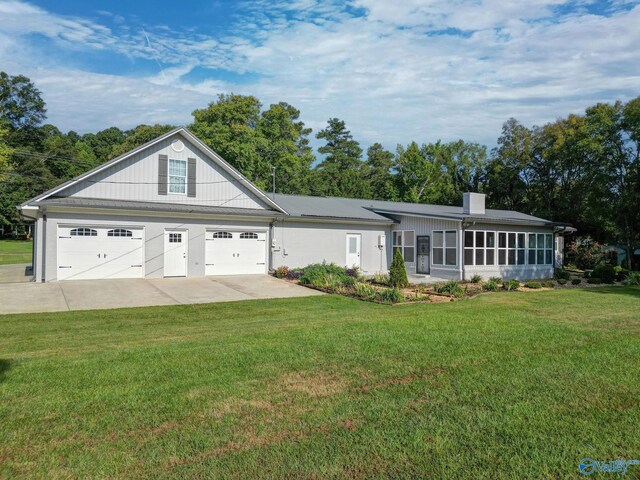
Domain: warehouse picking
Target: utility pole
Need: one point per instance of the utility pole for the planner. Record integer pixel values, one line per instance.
(273, 175)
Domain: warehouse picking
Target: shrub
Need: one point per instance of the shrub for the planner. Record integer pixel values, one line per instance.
(533, 285)
(491, 286)
(353, 272)
(621, 273)
(594, 280)
(606, 273)
(585, 252)
(326, 276)
(576, 281)
(452, 287)
(364, 290)
(633, 278)
(497, 280)
(562, 281)
(397, 272)
(380, 278)
(560, 274)
(547, 284)
(476, 278)
(510, 285)
(295, 274)
(281, 272)
(389, 295)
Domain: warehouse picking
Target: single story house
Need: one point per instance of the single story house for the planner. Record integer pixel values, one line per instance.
(173, 208)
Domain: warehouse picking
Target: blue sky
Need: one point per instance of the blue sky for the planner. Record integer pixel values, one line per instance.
(394, 71)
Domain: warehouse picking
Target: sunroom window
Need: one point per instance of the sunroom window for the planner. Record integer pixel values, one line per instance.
(445, 247)
(405, 241)
(540, 249)
(479, 247)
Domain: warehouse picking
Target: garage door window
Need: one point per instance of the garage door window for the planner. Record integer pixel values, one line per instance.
(119, 232)
(222, 235)
(84, 232)
(249, 235)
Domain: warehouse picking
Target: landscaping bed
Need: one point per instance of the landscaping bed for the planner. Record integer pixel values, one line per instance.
(394, 289)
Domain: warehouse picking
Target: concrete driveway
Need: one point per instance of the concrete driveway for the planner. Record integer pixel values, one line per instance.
(102, 294)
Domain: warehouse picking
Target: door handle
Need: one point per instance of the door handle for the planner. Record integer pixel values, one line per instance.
(98, 255)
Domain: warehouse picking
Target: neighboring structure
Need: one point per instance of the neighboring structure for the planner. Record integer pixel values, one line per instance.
(173, 207)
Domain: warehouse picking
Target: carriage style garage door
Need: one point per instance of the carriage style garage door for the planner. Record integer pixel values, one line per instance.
(100, 252)
(235, 252)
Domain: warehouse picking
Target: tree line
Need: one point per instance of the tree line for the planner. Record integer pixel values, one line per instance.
(581, 169)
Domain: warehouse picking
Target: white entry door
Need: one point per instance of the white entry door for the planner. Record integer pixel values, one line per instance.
(231, 252)
(91, 252)
(175, 253)
(353, 249)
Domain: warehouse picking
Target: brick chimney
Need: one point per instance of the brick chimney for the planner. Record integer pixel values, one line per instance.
(473, 203)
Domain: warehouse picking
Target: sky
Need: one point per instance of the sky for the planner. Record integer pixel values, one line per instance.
(394, 70)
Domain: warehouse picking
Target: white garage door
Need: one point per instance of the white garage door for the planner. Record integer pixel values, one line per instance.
(235, 252)
(100, 252)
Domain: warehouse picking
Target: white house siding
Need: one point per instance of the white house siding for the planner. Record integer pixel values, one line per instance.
(518, 272)
(426, 226)
(154, 227)
(136, 178)
(298, 244)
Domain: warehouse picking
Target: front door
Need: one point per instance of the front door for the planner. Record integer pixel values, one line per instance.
(424, 252)
(175, 253)
(353, 250)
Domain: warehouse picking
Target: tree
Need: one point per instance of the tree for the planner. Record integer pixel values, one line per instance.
(506, 175)
(340, 173)
(378, 174)
(414, 174)
(229, 127)
(20, 102)
(139, 136)
(5, 152)
(397, 271)
(286, 147)
(104, 142)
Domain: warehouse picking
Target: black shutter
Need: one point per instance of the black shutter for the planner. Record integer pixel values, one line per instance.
(191, 177)
(163, 161)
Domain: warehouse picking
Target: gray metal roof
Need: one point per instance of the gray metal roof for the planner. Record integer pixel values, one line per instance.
(303, 206)
(154, 206)
(319, 208)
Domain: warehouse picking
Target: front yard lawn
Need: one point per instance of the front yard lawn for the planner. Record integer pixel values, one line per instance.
(508, 385)
(15, 251)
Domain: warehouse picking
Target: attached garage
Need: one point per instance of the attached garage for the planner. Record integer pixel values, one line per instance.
(89, 252)
(230, 252)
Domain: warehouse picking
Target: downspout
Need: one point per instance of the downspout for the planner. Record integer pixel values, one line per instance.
(271, 237)
(44, 245)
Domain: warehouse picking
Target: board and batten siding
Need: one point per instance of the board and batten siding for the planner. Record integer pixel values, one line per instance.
(518, 272)
(136, 179)
(298, 244)
(426, 226)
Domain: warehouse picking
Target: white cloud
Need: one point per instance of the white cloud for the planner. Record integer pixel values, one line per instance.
(390, 72)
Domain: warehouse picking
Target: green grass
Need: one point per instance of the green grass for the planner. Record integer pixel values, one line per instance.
(506, 385)
(15, 251)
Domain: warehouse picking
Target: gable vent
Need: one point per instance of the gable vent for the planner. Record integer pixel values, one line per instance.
(177, 145)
